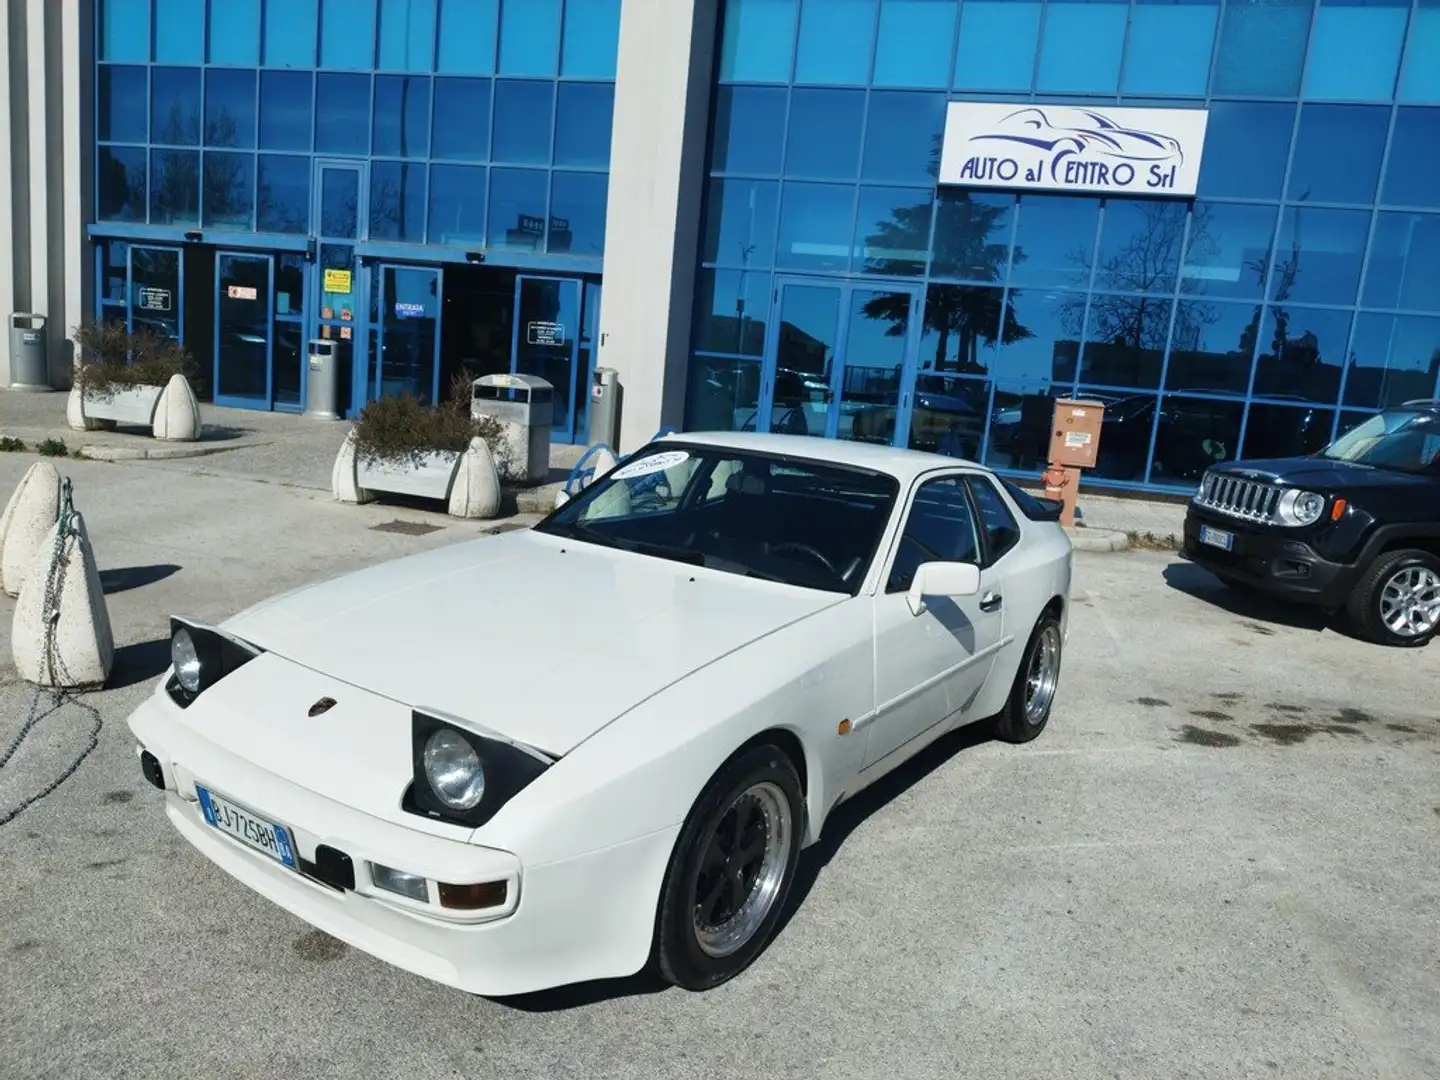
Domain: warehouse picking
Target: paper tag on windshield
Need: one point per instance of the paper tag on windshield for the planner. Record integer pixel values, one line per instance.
(652, 464)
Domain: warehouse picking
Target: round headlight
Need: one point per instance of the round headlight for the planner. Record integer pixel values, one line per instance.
(186, 661)
(1308, 507)
(453, 770)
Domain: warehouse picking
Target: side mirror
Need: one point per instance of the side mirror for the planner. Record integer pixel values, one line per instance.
(942, 579)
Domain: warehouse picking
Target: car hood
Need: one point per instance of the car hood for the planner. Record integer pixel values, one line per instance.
(1321, 474)
(541, 639)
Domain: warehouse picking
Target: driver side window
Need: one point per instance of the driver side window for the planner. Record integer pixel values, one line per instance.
(940, 527)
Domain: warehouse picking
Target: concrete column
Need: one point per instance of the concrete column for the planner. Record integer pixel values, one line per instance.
(76, 84)
(9, 20)
(652, 232)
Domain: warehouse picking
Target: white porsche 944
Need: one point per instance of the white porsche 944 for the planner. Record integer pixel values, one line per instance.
(598, 745)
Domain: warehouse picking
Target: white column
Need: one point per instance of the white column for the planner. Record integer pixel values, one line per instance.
(7, 186)
(36, 80)
(652, 232)
(77, 75)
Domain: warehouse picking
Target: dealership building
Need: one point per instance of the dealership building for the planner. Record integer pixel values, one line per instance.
(914, 222)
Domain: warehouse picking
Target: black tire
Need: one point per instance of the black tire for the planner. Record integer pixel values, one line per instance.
(678, 954)
(1364, 608)
(1014, 723)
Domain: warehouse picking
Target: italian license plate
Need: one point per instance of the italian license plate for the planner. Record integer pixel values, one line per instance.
(1217, 537)
(247, 827)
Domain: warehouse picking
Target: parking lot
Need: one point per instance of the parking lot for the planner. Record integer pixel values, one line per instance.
(1219, 861)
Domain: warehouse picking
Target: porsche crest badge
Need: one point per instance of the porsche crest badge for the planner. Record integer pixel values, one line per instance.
(324, 705)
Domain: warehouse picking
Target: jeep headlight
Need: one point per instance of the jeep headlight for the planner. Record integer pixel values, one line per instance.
(1300, 508)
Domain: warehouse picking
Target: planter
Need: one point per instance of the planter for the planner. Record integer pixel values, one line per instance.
(467, 481)
(425, 475)
(124, 404)
(172, 412)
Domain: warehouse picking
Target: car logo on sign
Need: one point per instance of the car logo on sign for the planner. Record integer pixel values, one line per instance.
(324, 705)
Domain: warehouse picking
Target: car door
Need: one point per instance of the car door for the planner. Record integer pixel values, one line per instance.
(932, 665)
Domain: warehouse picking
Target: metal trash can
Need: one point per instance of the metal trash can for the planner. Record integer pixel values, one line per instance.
(605, 394)
(29, 358)
(524, 404)
(322, 378)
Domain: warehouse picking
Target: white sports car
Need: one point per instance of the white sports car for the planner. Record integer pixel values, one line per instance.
(599, 745)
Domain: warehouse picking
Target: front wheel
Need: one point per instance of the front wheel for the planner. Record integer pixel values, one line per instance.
(731, 871)
(1027, 710)
(1397, 601)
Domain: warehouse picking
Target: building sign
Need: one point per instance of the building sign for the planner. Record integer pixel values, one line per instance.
(545, 333)
(1064, 148)
(154, 299)
(408, 311)
(242, 292)
(338, 282)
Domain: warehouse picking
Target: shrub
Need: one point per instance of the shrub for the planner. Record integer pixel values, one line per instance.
(53, 448)
(112, 357)
(10, 444)
(401, 428)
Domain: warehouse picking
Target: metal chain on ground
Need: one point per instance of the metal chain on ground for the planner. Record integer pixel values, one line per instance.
(55, 664)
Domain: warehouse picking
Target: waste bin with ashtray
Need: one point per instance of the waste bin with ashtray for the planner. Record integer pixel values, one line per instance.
(524, 405)
(29, 362)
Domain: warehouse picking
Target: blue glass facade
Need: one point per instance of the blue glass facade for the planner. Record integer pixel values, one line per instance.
(354, 164)
(842, 292)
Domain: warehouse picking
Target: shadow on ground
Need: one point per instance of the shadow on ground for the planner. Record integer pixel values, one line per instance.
(139, 663)
(1202, 585)
(134, 577)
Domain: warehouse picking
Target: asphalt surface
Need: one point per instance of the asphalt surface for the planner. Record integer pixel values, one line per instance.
(1219, 861)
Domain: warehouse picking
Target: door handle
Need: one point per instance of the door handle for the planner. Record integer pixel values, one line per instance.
(991, 601)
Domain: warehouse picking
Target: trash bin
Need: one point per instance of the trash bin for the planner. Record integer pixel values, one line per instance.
(605, 407)
(29, 359)
(322, 377)
(524, 404)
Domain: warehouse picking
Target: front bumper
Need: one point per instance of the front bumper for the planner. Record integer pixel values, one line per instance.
(587, 917)
(1267, 559)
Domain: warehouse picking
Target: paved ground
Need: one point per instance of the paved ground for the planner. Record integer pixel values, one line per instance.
(1218, 862)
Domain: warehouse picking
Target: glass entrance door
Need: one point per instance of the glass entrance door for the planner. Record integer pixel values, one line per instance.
(408, 333)
(340, 208)
(155, 299)
(243, 289)
(547, 339)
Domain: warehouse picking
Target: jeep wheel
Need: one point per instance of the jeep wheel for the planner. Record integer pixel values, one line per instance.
(1397, 601)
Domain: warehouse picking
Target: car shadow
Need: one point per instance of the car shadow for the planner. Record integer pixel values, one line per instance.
(1199, 583)
(134, 577)
(139, 663)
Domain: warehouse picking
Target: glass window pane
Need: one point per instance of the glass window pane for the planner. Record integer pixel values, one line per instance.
(175, 106)
(1246, 147)
(1140, 245)
(1404, 270)
(1302, 351)
(902, 138)
(291, 29)
(235, 32)
(1318, 173)
(1168, 51)
(1042, 336)
(816, 226)
(972, 235)
(122, 116)
(125, 30)
(1125, 340)
(1125, 446)
(1411, 176)
(457, 205)
(722, 395)
(1317, 257)
(1194, 434)
(758, 42)
(998, 39)
(1262, 47)
(530, 37)
(469, 30)
(407, 34)
(179, 32)
(283, 195)
(913, 46)
(749, 132)
(835, 40)
(1275, 431)
(825, 130)
(740, 222)
(1019, 436)
(577, 214)
(524, 122)
(347, 34)
(342, 114)
(121, 184)
(339, 203)
(1355, 49)
(1228, 251)
(591, 39)
(583, 113)
(175, 187)
(397, 201)
(518, 200)
(962, 324)
(402, 116)
(1211, 346)
(1393, 359)
(229, 190)
(1054, 241)
(462, 119)
(230, 108)
(731, 307)
(285, 110)
(1420, 75)
(1080, 53)
(892, 230)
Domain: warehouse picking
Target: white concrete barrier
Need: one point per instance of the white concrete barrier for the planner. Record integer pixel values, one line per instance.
(177, 416)
(30, 514)
(602, 462)
(344, 482)
(61, 633)
(475, 491)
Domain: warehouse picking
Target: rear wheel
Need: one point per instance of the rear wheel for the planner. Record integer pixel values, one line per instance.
(1027, 710)
(1397, 601)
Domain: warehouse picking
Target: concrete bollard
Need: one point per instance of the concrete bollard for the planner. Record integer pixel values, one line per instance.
(75, 412)
(31, 512)
(61, 634)
(344, 482)
(602, 463)
(177, 414)
(475, 491)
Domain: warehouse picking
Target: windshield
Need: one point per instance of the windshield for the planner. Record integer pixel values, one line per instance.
(1401, 440)
(806, 523)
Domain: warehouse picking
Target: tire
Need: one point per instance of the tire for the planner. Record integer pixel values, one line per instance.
(1019, 722)
(1396, 573)
(696, 949)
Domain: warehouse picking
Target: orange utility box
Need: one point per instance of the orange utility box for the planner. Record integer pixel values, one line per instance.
(1075, 435)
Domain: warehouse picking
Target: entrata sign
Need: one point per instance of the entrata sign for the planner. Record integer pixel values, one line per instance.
(1065, 148)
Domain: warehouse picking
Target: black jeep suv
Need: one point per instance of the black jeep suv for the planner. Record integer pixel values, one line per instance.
(1355, 526)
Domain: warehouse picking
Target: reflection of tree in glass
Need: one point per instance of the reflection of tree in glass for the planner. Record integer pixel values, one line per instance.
(122, 188)
(227, 183)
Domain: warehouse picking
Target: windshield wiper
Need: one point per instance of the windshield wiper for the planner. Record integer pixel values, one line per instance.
(662, 551)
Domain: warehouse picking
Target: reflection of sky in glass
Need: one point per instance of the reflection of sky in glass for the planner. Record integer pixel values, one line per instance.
(1044, 315)
(1404, 268)
(1226, 250)
(1057, 239)
(1393, 358)
(1317, 257)
(877, 342)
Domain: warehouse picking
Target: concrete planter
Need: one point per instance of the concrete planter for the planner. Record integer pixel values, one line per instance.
(171, 412)
(424, 475)
(124, 404)
(467, 481)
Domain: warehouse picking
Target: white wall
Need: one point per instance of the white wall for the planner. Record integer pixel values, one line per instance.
(652, 232)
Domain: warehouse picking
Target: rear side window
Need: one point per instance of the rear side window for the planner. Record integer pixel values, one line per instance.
(1001, 531)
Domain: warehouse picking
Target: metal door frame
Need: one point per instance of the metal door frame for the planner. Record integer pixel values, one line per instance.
(382, 304)
(566, 433)
(359, 283)
(178, 299)
(226, 400)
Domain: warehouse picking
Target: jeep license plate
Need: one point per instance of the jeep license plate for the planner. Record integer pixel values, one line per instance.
(1217, 538)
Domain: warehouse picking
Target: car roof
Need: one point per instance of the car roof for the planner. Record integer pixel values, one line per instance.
(900, 463)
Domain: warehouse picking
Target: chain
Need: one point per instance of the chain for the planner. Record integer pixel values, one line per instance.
(58, 695)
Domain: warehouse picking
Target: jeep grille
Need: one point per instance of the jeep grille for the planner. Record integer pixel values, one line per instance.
(1252, 500)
